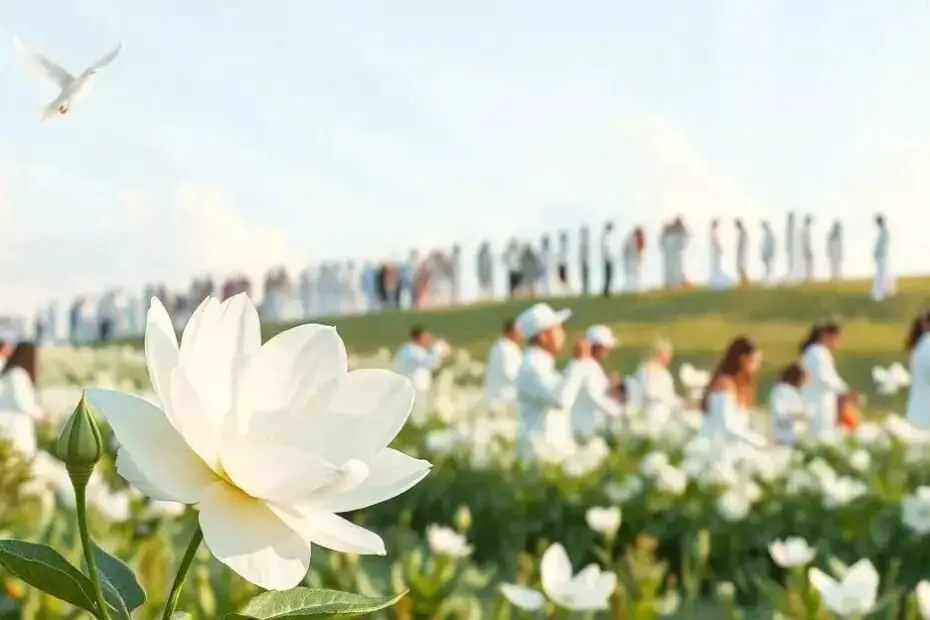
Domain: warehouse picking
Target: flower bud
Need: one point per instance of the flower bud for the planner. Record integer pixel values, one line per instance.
(80, 445)
(462, 519)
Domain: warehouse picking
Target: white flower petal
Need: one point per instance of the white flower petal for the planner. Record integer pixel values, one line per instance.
(329, 530)
(354, 416)
(525, 598)
(214, 348)
(390, 474)
(130, 472)
(556, 570)
(245, 535)
(161, 348)
(290, 367)
(190, 416)
(265, 469)
(159, 452)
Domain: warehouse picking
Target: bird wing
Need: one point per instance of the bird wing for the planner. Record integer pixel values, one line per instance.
(104, 60)
(43, 66)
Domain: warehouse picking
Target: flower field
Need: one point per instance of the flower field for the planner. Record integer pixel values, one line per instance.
(644, 522)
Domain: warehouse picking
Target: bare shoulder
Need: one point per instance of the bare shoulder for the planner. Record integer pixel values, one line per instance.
(723, 383)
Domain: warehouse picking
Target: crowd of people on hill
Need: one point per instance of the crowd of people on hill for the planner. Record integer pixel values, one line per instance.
(434, 278)
(809, 398)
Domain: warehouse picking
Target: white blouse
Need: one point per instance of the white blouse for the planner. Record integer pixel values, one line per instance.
(787, 410)
(726, 420)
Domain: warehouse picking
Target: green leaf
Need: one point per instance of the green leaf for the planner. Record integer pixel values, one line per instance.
(44, 568)
(120, 577)
(115, 603)
(301, 603)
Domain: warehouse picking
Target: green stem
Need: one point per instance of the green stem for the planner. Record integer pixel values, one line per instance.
(183, 568)
(80, 499)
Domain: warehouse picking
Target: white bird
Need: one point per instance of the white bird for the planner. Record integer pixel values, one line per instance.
(70, 87)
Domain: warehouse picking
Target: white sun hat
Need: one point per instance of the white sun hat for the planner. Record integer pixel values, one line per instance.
(601, 335)
(540, 317)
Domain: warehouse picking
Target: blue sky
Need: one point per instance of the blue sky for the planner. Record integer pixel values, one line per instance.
(234, 134)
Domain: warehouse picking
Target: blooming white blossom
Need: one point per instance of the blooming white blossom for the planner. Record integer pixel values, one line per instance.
(853, 595)
(589, 590)
(915, 511)
(446, 541)
(605, 521)
(790, 552)
(922, 594)
(270, 442)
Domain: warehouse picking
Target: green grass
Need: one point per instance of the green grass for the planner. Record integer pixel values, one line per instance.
(699, 323)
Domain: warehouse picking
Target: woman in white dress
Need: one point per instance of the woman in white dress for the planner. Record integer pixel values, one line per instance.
(825, 386)
(918, 398)
(730, 395)
(883, 284)
(718, 279)
(785, 404)
(18, 403)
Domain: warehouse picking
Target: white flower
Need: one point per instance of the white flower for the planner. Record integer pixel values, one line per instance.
(525, 598)
(604, 521)
(853, 595)
(915, 511)
(271, 442)
(625, 491)
(890, 380)
(793, 551)
(589, 590)
(922, 594)
(733, 505)
(446, 541)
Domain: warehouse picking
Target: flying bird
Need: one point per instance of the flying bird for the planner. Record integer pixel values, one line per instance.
(70, 88)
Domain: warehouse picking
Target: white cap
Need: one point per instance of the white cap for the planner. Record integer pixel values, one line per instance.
(601, 335)
(540, 317)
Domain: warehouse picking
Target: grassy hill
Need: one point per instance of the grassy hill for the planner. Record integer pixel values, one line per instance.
(699, 322)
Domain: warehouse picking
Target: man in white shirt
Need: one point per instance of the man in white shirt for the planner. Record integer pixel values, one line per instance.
(504, 359)
(417, 358)
(655, 382)
(512, 264)
(584, 258)
(607, 256)
(563, 262)
(768, 252)
(544, 395)
(594, 404)
(807, 247)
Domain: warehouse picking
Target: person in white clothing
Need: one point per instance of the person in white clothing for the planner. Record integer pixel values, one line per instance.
(807, 247)
(485, 271)
(825, 386)
(786, 406)
(544, 395)
(584, 258)
(742, 253)
(418, 357)
(19, 407)
(504, 359)
(768, 253)
(791, 268)
(918, 397)
(632, 260)
(835, 250)
(680, 239)
(883, 285)
(547, 279)
(594, 403)
(730, 395)
(511, 259)
(655, 389)
(564, 287)
(607, 258)
(718, 279)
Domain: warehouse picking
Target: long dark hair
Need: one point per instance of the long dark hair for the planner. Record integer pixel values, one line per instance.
(23, 356)
(731, 365)
(919, 327)
(818, 331)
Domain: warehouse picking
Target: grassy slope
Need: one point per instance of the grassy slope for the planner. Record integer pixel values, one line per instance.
(699, 322)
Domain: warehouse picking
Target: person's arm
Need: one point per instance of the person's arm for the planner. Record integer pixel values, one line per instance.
(601, 399)
(555, 390)
(823, 371)
(722, 406)
(24, 393)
